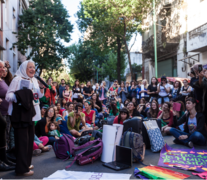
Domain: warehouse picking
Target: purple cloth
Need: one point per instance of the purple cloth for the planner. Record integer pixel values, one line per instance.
(4, 105)
(185, 159)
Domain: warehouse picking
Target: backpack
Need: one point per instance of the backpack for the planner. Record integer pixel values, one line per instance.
(92, 151)
(110, 120)
(155, 136)
(135, 141)
(84, 139)
(63, 147)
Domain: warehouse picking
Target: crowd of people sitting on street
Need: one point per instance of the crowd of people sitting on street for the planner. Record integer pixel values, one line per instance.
(64, 109)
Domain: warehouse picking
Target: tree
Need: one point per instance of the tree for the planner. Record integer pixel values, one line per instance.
(120, 18)
(42, 27)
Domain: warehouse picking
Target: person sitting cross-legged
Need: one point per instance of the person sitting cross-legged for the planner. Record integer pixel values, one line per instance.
(194, 130)
(75, 118)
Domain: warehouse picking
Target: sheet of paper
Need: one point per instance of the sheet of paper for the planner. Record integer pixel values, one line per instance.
(108, 138)
(63, 174)
(24, 84)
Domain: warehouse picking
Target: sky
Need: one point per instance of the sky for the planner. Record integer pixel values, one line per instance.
(73, 6)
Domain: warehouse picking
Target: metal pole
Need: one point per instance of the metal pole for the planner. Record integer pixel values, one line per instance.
(155, 37)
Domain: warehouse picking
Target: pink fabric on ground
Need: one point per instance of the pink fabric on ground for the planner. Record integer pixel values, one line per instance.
(202, 175)
(44, 140)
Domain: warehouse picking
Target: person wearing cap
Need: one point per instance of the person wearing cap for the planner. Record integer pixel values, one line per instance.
(163, 91)
(63, 126)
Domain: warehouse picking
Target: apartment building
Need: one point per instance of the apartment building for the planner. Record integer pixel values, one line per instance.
(11, 9)
(181, 38)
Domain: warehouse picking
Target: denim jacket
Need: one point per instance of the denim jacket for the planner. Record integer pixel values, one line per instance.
(105, 91)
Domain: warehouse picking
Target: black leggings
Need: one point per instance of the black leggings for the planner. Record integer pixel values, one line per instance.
(2, 131)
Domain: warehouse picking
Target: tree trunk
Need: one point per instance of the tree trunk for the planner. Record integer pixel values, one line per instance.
(118, 60)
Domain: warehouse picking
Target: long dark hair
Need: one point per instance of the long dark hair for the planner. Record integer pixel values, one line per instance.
(125, 102)
(114, 108)
(97, 97)
(46, 114)
(179, 86)
(75, 83)
(153, 112)
(8, 78)
(90, 87)
(156, 81)
(123, 110)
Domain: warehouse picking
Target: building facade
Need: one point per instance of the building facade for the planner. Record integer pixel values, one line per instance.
(11, 11)
(136, 58)
(181, 35)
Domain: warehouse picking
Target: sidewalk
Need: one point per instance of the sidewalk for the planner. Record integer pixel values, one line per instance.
(46, 164)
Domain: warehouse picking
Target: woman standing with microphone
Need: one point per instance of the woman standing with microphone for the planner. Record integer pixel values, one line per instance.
(24, 125)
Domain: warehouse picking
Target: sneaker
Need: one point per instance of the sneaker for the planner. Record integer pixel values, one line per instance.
(37, 152)
(190, 144)
(49, 147)
(31, 167)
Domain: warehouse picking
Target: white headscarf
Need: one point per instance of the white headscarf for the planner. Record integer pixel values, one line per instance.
(22, 71)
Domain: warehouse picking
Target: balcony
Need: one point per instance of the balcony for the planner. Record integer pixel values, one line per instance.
(197, 39)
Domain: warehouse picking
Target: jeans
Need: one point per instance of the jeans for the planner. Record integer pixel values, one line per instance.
(166, 99)
(196, 137)
(44, 140)
(104, 101)
(51, 140)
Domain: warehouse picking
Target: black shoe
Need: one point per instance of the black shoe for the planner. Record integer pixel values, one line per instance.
(10, 163)
(5, 167)
(176, 141)
(11, 157)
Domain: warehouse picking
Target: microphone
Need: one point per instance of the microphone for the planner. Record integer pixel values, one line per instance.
(43, 82)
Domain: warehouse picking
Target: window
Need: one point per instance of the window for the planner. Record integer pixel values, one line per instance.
(1, 55)
(7, 49)
(14, 62)
(7, 11)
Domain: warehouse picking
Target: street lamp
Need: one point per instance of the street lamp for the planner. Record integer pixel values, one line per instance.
(155, 38)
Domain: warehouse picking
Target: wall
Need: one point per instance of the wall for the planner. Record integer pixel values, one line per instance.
(10, 8)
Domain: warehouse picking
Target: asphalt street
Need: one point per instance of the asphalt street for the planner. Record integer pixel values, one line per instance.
(46, 164)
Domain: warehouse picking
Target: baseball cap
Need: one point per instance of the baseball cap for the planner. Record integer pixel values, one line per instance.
(45, 107)
(58, 119)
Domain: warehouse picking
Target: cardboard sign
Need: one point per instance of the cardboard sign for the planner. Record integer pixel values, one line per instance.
(186, 159)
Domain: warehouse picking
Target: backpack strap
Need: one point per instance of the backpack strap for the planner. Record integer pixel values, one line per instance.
(83, 146)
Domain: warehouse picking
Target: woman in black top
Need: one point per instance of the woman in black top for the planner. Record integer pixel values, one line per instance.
(88, 90)
(152, 89)
(41, 128)
(141, 108)
(194, 131)
(97, 104)
(132, 110)
(77, 91)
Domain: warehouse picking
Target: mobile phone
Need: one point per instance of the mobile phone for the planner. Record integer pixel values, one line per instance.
(76, 109)
(200, 68)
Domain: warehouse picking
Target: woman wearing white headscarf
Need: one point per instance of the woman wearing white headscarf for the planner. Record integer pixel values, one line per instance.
(24, 133)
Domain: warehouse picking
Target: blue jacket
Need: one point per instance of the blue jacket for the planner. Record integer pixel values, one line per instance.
(132, 92)
(105, 91)
(123, 94)
(64, 128)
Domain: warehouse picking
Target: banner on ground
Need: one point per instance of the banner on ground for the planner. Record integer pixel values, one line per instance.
(186, 159)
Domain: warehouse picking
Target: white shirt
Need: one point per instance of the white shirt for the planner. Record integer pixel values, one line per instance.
(163, 91)
(15, 86)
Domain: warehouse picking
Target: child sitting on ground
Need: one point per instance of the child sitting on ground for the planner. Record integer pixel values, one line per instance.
(54, 130)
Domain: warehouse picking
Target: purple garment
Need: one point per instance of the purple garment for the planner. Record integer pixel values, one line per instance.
(4, 105)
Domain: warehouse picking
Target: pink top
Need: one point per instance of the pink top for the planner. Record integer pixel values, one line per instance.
(102, 95)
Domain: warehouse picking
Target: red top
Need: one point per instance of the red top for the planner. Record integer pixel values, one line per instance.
(89, 117)
(61, 111)
(169, 121)
(116, 121)
(112, 89)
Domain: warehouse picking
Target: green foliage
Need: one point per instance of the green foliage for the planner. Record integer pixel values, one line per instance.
(84, 62)
(43, 27)
(109, 68)
(137, 69)
(108, 19)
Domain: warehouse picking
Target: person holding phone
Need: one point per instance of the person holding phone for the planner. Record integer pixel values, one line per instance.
(122, 92)
(75, 118)
(50, 92)
(194, 131)
(103, 92)
(133, 90)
